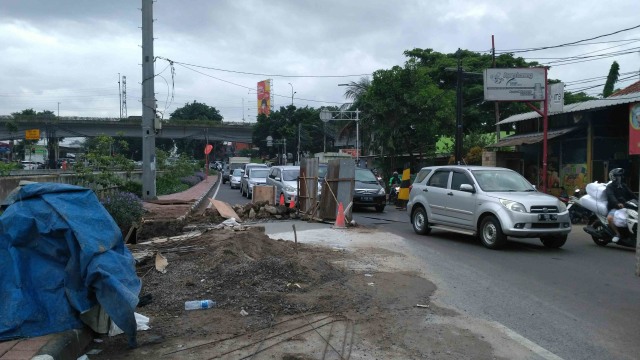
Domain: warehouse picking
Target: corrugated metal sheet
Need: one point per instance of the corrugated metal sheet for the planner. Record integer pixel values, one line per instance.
(532, 138)
(581, 106)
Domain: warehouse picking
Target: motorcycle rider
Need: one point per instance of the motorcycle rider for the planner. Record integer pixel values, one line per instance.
(617, 194)
(395, 179)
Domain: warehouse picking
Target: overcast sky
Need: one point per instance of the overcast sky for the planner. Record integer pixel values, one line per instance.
(68, 54)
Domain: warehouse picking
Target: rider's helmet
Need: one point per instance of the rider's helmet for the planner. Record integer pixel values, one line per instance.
(395, 173)
(616, 175)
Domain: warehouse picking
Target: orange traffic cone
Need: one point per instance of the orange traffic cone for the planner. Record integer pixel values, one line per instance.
(292, 204)
(281, 199)
(340, 218)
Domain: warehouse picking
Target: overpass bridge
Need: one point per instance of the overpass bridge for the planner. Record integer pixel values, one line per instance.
(90, 127)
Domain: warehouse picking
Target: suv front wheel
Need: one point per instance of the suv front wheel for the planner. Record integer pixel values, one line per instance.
(491, 233)
(420, 221)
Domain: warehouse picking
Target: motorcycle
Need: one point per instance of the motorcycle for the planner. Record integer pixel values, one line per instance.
(578, 213)
(393, 194)
(602, 234)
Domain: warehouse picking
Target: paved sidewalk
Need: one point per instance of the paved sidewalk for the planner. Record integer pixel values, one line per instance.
(71, 344)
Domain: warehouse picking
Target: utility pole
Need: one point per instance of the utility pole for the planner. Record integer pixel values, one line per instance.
(460, 74)
(497, 106)
(458, 149)
(148, 105)
(120, 96)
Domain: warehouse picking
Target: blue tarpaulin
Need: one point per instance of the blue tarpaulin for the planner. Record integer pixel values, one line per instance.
(61, 253)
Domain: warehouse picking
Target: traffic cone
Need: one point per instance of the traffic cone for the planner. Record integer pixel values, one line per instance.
(340, 218)
(281, 199)
(292, 204)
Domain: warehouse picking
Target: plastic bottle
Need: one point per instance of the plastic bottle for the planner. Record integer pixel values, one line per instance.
(199, 304)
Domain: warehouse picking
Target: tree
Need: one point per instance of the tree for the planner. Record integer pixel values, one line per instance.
(194, 112)
(612, 78)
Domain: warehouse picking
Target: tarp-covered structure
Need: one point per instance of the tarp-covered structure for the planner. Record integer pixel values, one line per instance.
(61, 253)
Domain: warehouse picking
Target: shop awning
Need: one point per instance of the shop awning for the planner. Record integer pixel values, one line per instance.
(531, 138)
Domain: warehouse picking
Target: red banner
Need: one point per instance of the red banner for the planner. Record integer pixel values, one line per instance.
(264, 97)
(634, 129)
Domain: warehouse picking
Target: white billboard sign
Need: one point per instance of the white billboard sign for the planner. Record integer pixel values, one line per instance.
(521, 84)
(555, 97)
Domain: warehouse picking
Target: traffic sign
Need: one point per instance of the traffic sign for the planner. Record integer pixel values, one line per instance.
(33, 134)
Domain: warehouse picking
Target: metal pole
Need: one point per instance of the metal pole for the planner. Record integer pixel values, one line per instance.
(148, 105)
(299, 126)
(120, 93)
(545, 127)
(458, 148)
(324, 143)
(496, 105)
(357, 138)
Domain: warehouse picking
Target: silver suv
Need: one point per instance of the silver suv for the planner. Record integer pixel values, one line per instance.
(244, 181)
(490, 202)
(285, 180)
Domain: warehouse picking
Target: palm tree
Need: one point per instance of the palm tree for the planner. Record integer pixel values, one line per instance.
(355, 92)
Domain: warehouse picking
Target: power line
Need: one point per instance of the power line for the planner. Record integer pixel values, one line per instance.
(573, 42)
(579, 55)
(268, 75)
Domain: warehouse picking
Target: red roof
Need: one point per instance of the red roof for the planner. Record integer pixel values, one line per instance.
(633, 88)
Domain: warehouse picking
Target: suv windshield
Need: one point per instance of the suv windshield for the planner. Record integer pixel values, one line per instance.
(501, 180)
(322, 171)
(237, 172)
(365, 176)
(259, 173)
(290, 175)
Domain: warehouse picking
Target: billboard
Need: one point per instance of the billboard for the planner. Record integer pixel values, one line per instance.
(264, 97)
(555, 97)
(520, 84)
(634, 129)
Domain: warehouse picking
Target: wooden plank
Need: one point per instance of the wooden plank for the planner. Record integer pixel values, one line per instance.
(263, 193)
(225, 209)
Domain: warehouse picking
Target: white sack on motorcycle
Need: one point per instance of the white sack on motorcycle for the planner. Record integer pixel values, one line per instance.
(620, 218)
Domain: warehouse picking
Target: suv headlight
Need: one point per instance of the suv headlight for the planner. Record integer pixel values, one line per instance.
(562, 207)
(513, 205)
(381, 191)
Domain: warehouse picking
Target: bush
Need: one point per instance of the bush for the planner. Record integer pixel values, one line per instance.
(190, 180)
(201, 175)
(132, 187)
(125, 208)
(168, 184)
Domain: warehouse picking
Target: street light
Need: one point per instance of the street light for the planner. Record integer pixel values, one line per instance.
(292, 92)
(326, 115)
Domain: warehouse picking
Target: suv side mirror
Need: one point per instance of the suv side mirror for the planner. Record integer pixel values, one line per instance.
(467, 188)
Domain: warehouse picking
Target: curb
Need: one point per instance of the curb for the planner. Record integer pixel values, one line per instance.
(67, 345)
(199, 199)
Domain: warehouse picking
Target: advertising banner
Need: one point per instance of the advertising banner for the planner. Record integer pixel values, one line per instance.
(634, 129)
(33, 134)
(264, 97)
(520, 84)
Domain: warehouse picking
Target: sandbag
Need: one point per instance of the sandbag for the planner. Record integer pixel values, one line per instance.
(597, 191)
(597, 206)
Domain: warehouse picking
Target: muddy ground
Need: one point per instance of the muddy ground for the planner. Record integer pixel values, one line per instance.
(281, 300)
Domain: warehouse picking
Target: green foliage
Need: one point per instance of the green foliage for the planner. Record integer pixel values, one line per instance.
(172, 171)
(572, 98)
(196, 111)
(103, 159)
(5, 168)
(125, 208)
(168, 184)
(133, 187)
(612, 78)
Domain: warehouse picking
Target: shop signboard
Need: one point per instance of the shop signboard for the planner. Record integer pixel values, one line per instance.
(519, 84)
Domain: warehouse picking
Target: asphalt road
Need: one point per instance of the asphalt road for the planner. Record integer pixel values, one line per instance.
(579, 302)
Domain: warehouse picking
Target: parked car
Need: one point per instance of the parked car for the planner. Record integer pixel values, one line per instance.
(29, 165)
(256, 176)
(244, 182)
(489, 202)
(368, 191)
(235, 178)
(285, 181)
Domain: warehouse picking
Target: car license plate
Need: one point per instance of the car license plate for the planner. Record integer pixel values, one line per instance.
(367, 198)
(545, 217)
